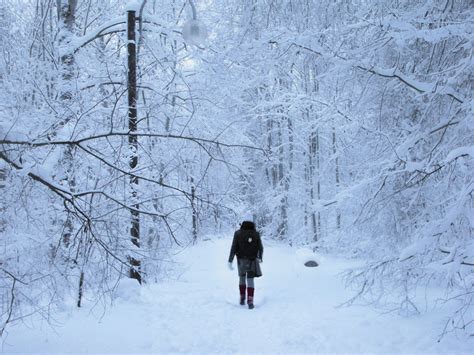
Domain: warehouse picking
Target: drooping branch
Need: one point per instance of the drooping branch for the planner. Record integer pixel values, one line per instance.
(113, 26)
(126, 134)
(420, 87)
(69, 196)
(63, 193)
(393, 73)
(449, 252)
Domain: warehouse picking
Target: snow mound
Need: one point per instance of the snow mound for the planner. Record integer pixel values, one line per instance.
(128, 290)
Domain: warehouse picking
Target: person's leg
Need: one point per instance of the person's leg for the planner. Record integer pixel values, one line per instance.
(250, 282)
(242, 288)
(250, 291)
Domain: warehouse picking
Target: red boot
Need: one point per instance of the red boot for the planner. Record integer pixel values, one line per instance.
(242, 294)
(250, 291)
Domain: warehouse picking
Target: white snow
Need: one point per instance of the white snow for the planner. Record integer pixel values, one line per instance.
(412, 166)
(133, 5)
(455, 153)
(75, 43)
(296, 311)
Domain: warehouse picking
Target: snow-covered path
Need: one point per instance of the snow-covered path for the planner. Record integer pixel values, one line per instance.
(296, 311)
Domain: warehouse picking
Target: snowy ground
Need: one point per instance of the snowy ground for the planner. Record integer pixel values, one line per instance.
(198, 313)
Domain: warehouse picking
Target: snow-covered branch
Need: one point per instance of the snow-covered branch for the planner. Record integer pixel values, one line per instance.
(125, 134)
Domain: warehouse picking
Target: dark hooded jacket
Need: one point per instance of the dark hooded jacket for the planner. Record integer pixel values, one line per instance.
(247, 243)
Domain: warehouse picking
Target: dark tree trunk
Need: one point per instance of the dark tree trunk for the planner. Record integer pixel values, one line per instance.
(337, 175)
(133, 141)
(81, 286)
(193, 207)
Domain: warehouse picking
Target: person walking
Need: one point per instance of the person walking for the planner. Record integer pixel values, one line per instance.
(247, 246)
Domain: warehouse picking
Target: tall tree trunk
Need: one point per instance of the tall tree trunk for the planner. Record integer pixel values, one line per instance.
(3, 173)
(193, 208)
(67, 17)
(313, 166)
(318, 183)
(133, 141)
(336, 175)
(282, 180)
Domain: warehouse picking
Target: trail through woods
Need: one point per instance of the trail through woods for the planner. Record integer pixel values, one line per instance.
(197, 312)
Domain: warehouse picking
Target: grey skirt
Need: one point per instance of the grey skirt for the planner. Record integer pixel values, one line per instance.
(249, 267)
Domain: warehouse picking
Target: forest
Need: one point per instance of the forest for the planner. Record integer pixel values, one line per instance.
(344, 126)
